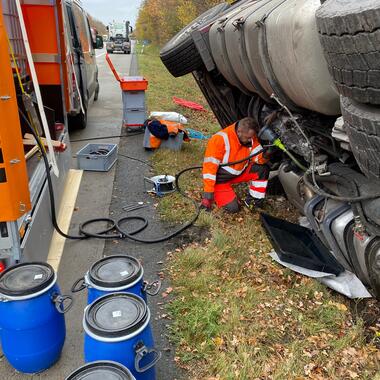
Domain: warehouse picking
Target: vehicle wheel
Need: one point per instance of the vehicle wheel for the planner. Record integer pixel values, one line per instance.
(350, 37)
(79, 121)
(96, 96)
(373, 266)
(180, 55)
(363, 129)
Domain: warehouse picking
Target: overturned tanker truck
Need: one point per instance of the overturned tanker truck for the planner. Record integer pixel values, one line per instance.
(319, 60)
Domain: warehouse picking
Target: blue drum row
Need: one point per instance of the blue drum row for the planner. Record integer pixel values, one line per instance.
(115, 274)
(118, 337)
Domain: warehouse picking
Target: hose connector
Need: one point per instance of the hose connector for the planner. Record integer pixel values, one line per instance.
(278, 143)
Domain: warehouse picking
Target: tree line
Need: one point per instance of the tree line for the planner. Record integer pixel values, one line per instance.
(159, 20)
(97, 24)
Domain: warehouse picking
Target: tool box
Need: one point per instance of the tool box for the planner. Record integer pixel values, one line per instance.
(97, 157)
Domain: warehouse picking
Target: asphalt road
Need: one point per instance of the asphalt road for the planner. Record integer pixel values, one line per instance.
(102, 195)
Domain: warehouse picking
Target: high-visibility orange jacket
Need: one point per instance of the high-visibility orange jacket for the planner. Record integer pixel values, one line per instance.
(224, 147)
(173, 129)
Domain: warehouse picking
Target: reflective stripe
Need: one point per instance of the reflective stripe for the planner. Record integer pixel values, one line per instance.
(226, 156)
(209, 176)
(256, 194)
(257, 149)
(211, 160)
(233, 171)
(261, 184)
(46, 58)
(259, 189)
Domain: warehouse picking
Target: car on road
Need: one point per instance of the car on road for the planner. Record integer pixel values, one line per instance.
(317, 64)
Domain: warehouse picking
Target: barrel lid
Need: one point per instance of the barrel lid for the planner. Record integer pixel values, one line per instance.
(102, 370)
(116, 315)
(115, 271)
(26, 279)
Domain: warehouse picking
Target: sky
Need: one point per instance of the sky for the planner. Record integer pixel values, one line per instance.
(110, 10)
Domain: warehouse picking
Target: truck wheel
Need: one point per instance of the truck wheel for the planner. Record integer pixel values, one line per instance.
(180, 55)
(363, 129)
(78, 121)
(96, 96)
(350, 37)
(373, 266)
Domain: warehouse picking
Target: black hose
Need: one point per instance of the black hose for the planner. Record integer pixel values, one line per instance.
(337, 197)
(116, 225)
(50, 184)
(108, 137)
(135, 159)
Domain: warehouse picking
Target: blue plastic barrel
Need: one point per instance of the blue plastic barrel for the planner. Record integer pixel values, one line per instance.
(31, 317)
(102, 370)
(117, 328)
(119, 273)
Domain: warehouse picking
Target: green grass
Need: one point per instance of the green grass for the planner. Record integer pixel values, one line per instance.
(236, 314)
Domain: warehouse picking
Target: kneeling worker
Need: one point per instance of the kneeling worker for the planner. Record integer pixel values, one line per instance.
(231, 144)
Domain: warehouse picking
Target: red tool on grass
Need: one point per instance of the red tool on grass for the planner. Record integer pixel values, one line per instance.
(188, 104)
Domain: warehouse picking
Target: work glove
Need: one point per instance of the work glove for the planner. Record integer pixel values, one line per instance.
(207, 204)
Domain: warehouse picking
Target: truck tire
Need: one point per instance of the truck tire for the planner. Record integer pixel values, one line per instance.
(78, 121)
(350, 37)
(96, 96)
(373, 266)
(363, 129)
(180, 55)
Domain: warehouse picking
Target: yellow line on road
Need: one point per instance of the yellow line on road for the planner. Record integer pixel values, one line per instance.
(69, 198)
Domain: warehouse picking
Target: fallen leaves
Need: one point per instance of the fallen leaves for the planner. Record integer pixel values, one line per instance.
(167, 292)
(339, 306)
(218, 341)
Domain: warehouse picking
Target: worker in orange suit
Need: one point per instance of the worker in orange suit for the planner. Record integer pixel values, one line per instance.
(231, 144)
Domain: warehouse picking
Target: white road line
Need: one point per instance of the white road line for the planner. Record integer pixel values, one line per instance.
(99, 55)
(64, 218)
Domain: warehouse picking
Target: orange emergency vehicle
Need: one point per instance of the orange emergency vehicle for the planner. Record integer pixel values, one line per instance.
(53, 40)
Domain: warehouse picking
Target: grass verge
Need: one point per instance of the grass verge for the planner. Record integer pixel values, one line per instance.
(237, 314)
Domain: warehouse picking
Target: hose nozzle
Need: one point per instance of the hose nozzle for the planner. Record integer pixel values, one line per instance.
(278, 143)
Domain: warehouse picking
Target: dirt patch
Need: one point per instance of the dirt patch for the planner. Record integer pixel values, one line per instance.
(194, 234)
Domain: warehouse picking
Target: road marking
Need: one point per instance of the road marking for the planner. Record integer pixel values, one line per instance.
(69, 198)
(99, 55)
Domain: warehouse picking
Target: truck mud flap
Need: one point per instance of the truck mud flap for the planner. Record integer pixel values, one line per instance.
(299, 246)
